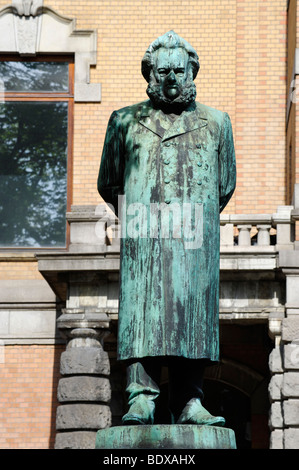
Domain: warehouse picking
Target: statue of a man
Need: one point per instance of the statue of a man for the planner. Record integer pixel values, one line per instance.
(172, 159)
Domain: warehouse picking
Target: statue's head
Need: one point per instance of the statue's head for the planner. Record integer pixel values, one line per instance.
(169, 66)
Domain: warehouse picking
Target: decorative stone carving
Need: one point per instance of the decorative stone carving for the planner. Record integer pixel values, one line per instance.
(27, 7)
(27, 28)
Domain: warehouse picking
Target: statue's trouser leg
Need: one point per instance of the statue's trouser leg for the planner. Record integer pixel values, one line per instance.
(142, 389)
(185, 383)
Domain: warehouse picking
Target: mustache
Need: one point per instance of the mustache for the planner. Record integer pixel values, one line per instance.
(187, 94)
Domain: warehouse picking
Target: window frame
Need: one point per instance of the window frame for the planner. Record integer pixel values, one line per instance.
(49, 97)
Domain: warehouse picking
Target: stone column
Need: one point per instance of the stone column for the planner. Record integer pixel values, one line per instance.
(275, 416)
(290, 383)
(85, 279)
(84, 389)
(289, 351)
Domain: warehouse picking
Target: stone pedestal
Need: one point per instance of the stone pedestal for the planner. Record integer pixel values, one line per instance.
(166, 436)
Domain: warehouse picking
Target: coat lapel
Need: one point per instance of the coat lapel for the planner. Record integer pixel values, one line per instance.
(190, 119)
(153, 119)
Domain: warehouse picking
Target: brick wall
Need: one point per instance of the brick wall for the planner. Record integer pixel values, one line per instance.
(241, 46)
(11, 269)
(29, 377)
(260, 105)
(242, 49)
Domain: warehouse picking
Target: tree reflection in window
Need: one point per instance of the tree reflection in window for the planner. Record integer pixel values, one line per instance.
(33, 173)
(34, 76)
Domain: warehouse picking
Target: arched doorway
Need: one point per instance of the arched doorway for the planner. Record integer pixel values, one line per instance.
(238, 393)
(223, 400)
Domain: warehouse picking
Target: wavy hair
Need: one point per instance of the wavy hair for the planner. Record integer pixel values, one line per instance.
(169, 40)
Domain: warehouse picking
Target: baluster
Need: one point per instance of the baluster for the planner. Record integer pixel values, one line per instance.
(244, 235)
(263, 236)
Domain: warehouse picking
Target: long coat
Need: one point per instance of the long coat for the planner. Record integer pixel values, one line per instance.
(169, 290)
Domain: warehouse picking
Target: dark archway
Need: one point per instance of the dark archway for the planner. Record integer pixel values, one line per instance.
(223, 400)
(238, 393)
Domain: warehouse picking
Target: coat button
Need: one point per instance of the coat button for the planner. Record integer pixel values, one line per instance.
(199, 182)
(199, 164)
(167, 201)
(198, 146)
(166, 162)
(167, 180)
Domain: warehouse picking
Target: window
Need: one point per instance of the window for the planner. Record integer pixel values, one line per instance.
(36, 113)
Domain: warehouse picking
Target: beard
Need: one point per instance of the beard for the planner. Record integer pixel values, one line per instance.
(187, 95)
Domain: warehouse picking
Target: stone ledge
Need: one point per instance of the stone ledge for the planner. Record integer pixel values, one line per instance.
(165, 436)
(247, 261)
(248, 250)
(28, 325)
(18, 255)
(75, 440)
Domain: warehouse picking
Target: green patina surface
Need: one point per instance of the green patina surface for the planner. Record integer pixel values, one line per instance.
(181, 158)
(166, 437)
(169, 294)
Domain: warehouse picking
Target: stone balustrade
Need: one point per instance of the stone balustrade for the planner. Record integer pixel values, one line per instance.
(257, 232)
(96, 229)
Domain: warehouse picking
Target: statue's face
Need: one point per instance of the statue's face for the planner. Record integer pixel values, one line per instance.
(171, 71)
(171, 85)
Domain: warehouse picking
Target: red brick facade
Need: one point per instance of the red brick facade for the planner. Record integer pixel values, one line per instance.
(28, 390)
(242, 48)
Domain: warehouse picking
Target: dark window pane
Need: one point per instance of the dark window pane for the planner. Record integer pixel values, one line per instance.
(33, 173)
(34, 76)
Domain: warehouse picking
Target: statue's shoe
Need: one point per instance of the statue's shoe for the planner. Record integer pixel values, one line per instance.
(141, 411)
(195, 413)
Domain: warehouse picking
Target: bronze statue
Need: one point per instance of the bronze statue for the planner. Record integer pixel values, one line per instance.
(172, 159)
